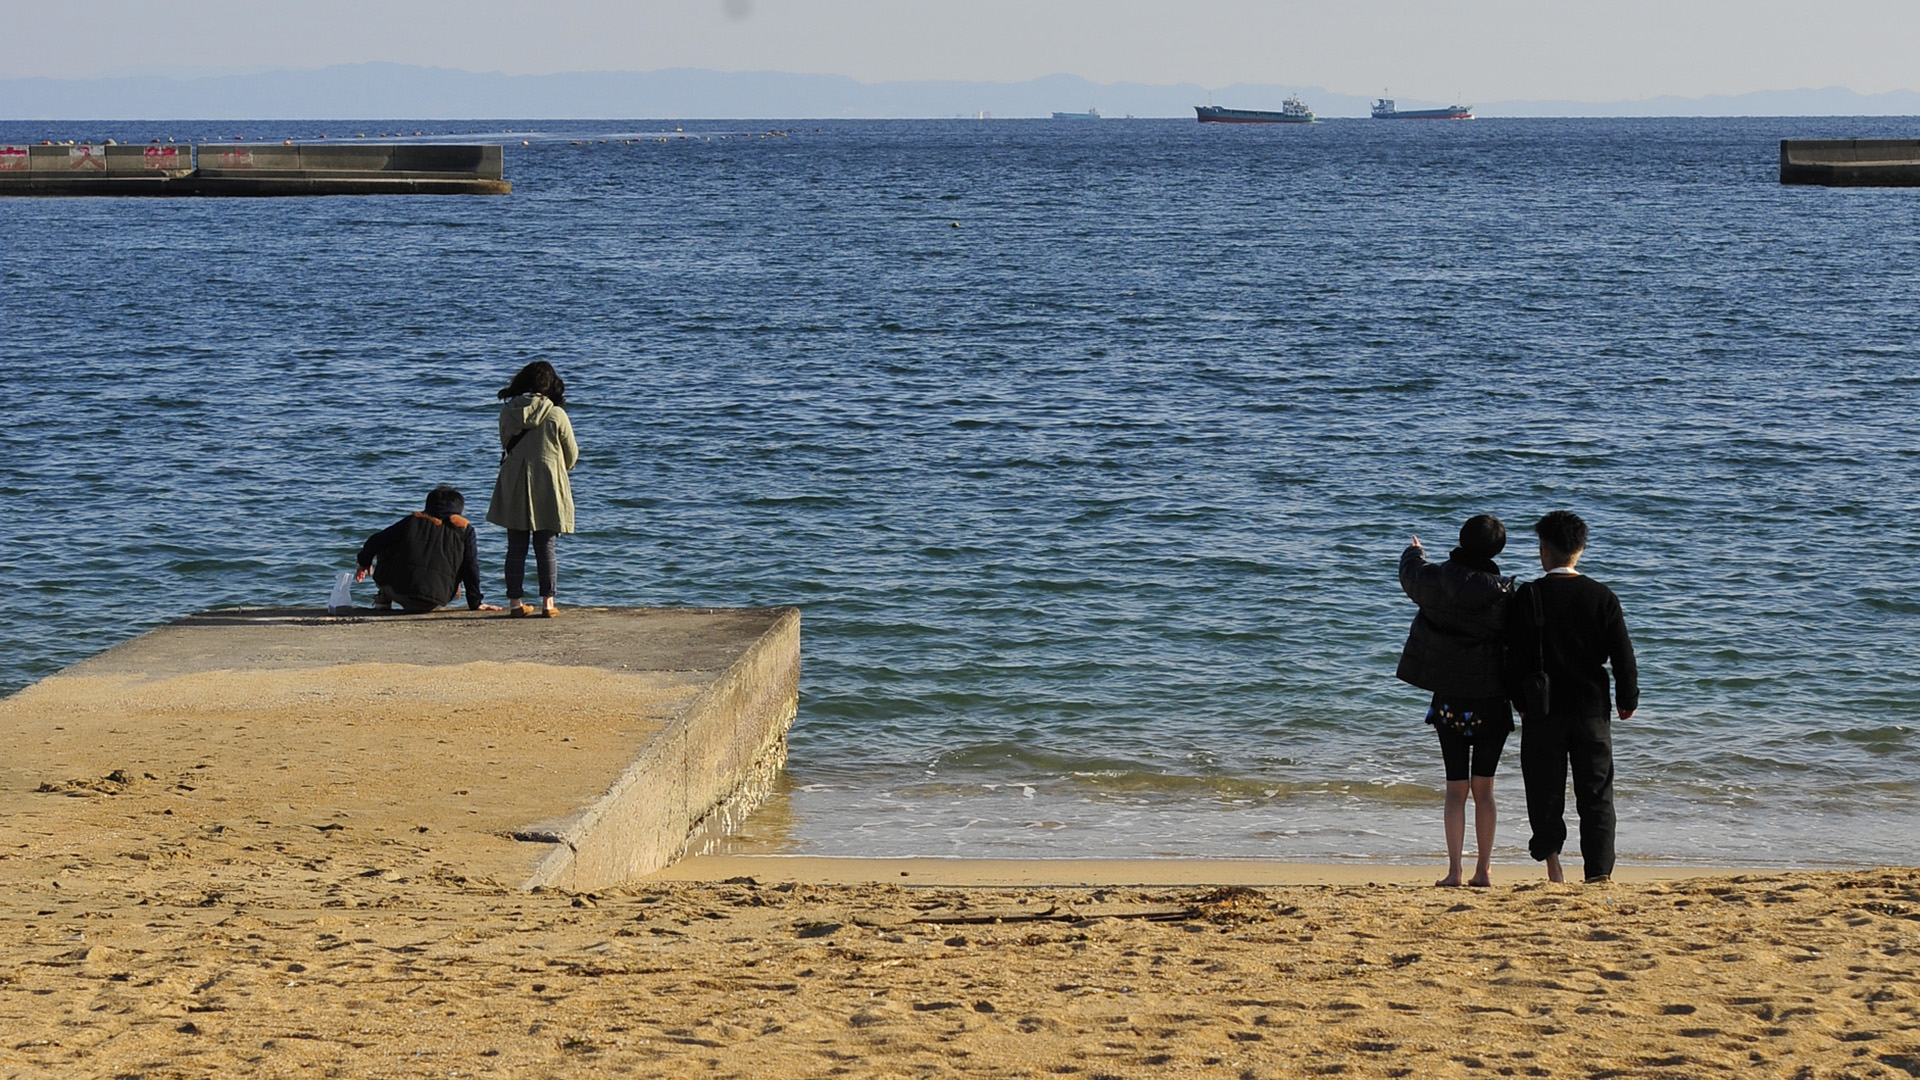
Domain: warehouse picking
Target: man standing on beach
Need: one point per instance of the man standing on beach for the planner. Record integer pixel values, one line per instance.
(1571, 626)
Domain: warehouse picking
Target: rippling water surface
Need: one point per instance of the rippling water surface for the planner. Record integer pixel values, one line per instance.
(1087, 449)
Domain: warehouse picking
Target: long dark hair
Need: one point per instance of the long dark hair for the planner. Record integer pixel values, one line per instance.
(537, 378)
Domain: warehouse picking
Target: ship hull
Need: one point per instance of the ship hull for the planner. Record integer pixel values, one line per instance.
(1213, 114)
(1426, 114)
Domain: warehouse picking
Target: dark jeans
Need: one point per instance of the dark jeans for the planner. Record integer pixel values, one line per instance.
(412, 605)
(544, 559)
(1547, 747)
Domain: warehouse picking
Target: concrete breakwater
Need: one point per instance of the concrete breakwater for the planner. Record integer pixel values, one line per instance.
(575, 753)
(1851, 162)
(249, 169)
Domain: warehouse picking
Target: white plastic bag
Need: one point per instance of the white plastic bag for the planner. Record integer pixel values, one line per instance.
(341, 602)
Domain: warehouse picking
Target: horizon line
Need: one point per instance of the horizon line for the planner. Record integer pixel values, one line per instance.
(245, 73)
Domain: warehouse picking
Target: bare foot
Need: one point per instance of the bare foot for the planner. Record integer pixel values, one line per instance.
(1451, 881)
(1553, 869)
(1481, 880)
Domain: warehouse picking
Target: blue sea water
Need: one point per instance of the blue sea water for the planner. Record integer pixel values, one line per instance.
(1087, 449)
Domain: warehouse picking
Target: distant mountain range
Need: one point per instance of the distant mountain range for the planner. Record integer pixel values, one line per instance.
(400, 90)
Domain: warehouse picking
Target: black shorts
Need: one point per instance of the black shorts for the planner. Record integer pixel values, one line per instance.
(1476, 756)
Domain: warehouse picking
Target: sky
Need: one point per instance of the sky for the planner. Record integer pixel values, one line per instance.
(1569, 50)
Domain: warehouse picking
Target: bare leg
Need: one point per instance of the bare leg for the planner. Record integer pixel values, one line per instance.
(1553, 869)
(1455, 817)
(1485, 818)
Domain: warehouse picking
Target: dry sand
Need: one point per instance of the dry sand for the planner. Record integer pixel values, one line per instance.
(318, 907)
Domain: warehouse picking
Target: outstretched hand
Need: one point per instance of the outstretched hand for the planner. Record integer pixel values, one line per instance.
(361, 574)
(1416, 543)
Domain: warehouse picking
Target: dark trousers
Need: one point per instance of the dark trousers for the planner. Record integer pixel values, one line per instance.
(412, 605)
(545, 559)
(1547, 747)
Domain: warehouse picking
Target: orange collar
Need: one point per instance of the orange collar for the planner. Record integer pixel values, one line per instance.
(454, 520)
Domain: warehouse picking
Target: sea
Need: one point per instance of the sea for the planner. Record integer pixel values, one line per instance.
(1088, 450)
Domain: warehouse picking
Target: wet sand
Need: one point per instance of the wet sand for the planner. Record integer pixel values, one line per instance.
(1107, 872)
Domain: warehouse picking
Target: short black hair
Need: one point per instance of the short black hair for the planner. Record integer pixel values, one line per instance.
(444, 501)
(1483, 536)
(1563, 531)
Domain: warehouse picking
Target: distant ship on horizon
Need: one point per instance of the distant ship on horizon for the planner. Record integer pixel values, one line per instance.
(1383, 110)
(1292, 111)
(1090, 114)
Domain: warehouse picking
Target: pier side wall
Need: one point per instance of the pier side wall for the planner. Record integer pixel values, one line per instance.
(727, 740)
(1850, 162)
(254, 169)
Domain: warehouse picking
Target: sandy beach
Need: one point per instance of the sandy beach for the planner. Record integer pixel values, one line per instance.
(311, 873)
(218, 943)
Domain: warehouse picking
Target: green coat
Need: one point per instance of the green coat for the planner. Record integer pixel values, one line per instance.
(532, 492)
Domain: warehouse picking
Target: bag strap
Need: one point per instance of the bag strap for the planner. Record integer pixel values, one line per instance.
(513, 442)
(1539, 624)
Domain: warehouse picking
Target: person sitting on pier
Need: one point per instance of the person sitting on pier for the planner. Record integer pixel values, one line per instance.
(422, 561)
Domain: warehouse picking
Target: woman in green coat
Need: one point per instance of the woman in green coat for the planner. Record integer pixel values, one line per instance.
(532, 499)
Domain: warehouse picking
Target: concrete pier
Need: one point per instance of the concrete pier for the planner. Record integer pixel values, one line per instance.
(1851, 162)
(253, 169)
(576, 752)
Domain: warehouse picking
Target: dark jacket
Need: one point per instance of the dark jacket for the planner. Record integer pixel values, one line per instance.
(1457, 644)
(1586, 631)
(421, 560)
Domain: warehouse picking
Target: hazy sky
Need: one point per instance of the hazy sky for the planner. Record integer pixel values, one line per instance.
(1480, 50)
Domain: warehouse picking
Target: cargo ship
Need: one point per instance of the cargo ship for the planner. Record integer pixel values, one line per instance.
(1090, 114)
(1384, 110)
(1292, 111)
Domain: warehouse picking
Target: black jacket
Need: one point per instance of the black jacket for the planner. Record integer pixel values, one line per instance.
(421, 560)
(1586, 631)
(1456, 646)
